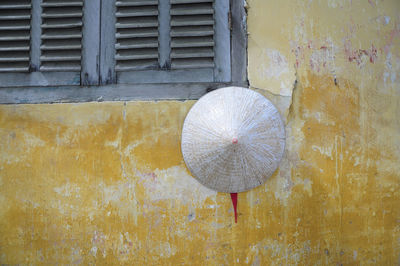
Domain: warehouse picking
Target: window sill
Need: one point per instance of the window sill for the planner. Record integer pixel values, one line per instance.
(114, 92)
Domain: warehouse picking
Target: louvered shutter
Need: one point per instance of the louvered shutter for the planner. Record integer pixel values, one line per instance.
(136, 35)
(61, 38)
(15, 17)
(41, 42)
(192, 34)
(84, 42)
(166, 41)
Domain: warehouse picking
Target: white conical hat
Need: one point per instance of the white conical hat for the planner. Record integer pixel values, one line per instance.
(233, 139)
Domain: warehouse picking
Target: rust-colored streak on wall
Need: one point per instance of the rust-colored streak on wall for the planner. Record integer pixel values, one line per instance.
(105, 182)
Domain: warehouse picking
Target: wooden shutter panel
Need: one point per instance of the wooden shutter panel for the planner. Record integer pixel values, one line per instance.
(192, 34)
(15, 17)
(165, 41)
(136, 35)
(61, 38)
(200, 38)
(57, 42)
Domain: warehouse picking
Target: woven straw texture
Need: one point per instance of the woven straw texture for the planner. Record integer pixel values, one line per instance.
(233, 139)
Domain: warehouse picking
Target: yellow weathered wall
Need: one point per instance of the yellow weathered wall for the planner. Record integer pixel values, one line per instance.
(105, 182)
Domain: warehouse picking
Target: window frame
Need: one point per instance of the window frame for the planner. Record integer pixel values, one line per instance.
(105, 91)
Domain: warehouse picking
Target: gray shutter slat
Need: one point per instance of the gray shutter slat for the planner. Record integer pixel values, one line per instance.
(65, 34)
(55, 66)
(133, 64)
(195, 20)
(15, 36)
(15, 17)
(61, 35)
(6, 6)
(62, 23)
(145, 32)
(192, 34)
(61, 3)
(136, 35)
(188, 10)
(192, 42)
(14, 46)
(191, 62)
(142, 54)
(136, 3)
(190, 1)
(16, 57)
(192, 31)
(136, 11)
(61, 15)
(140, 43)
(14, 26)
(193, 53)
(64, 46)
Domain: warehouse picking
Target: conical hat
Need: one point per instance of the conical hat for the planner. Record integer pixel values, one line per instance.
(233, 139)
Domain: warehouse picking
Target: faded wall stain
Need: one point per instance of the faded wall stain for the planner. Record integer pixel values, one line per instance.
(105, 183)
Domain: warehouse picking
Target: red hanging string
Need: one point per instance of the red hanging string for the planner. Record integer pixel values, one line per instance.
(234, 203)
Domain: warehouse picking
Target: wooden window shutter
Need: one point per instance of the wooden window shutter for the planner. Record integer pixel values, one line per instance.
(136, 35)
(61, 38)
(15, 17)
(49, 35)
(200, 37)
(192, 34)
(54, 50)
(92, 42)
(165, 41)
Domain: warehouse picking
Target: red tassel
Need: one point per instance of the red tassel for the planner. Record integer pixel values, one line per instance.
(234, 203)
